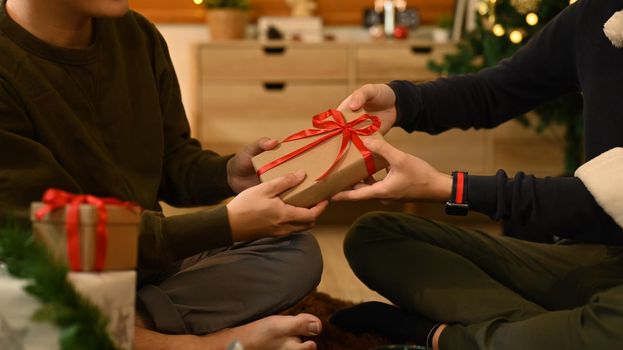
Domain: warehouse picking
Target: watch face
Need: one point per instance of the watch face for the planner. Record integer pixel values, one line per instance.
(460, 209)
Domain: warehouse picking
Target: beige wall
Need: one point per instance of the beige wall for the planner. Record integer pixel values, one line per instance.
(181, 39)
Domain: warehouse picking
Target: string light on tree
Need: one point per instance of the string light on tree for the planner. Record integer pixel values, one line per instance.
(483, 8)
(525, 6)
(502, 27)
(516, 36)
(532, 19)
(498, 30)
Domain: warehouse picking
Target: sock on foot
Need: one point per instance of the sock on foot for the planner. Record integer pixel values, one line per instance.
(397, 325)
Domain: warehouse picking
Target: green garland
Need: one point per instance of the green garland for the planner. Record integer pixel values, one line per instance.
(81, 324)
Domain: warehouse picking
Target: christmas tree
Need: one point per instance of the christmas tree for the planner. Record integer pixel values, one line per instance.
(502, 27)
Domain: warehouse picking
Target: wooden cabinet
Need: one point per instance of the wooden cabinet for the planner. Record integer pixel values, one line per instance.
(267, 63)
(248, 90)
(396, 60)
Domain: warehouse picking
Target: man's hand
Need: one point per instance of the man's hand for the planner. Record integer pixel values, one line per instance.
(240, 172)
(259, 212)
(409, 179)
(376, 99)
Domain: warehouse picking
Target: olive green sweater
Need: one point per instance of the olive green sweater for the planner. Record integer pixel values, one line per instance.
(107, 120)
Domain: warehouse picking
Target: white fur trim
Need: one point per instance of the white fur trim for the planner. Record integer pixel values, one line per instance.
(613, 29)
(603, 176)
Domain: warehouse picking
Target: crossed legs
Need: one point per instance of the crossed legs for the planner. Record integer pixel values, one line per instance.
(493, 292)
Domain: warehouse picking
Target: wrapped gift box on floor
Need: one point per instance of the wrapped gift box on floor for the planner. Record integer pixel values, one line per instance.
(17, 330)
(112, 292)
(318, 153)
(104, 236)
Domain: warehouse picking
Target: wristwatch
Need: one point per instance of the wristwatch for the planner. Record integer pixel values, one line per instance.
(457, 205)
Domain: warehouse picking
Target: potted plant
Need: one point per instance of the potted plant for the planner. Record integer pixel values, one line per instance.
(227, 19)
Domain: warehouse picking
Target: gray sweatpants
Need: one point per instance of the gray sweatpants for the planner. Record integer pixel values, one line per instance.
(232, 286)
(496, 293)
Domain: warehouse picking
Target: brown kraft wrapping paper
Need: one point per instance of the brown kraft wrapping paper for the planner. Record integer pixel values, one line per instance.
(122, 235)
(348, 171)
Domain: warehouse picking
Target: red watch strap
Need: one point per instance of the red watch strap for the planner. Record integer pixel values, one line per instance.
(460, 182)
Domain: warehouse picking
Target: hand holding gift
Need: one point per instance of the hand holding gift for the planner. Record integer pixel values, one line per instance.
(258, 210)
(240, 172)
(409, 179)
(377, 99)
(332, 154)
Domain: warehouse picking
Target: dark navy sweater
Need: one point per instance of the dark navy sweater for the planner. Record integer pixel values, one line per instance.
(570, 54)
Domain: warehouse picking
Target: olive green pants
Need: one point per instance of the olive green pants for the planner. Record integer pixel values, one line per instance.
(495, 293)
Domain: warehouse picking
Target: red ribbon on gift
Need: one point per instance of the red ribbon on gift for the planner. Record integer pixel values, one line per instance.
(350, 134)
(55, 199)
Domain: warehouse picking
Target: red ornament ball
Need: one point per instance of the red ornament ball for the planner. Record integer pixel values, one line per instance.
(401, 32)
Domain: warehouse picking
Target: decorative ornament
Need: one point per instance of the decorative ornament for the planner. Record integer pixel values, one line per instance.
(525, 6)
(401, 32)
(10, 338)
(301, 8)
(377, 31)
(613, 29)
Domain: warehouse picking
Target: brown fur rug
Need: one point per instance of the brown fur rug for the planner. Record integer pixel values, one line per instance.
(332, 338)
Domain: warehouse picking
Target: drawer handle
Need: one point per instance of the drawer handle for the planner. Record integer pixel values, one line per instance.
(275, 86)
(421, 49)
(274, 50)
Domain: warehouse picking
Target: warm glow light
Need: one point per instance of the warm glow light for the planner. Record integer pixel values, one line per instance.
(483, 8)
(401, 5)
(198, 2)
(492, 1)
(572, 1)
(515, 36)
(532, 18)
(498, 30)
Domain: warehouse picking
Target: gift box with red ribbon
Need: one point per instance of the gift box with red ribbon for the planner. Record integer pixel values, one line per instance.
(87, 232)
(112, 292)
(332, 155)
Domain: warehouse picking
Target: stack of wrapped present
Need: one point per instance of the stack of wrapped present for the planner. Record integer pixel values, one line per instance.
(97, 238)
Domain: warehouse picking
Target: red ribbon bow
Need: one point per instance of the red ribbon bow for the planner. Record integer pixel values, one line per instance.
(55, 199)
(323, 123)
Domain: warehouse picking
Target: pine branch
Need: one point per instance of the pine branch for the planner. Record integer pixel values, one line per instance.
(81, 323)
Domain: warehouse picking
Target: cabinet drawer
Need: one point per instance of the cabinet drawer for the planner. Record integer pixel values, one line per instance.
(257, 62)
(390, 62)
(235, 114)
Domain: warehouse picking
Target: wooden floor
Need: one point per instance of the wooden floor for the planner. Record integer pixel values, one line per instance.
(338, 280)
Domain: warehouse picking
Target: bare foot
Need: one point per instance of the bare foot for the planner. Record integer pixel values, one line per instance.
(277, 333)
(270, 333)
